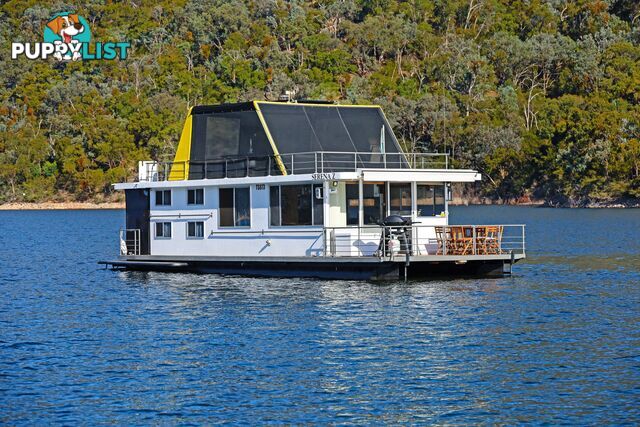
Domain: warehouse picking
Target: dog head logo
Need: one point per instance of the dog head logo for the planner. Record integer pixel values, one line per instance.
(68, 29)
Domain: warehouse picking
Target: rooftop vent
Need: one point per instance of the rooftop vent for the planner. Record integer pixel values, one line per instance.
(285, 96)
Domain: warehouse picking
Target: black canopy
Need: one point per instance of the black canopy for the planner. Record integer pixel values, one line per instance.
(262, 129)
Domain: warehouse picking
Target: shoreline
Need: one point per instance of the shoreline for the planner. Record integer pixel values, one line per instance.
(43, 206)
(58, 206)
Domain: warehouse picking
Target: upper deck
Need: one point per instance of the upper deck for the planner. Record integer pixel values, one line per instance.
(308, 163)
(260, 138)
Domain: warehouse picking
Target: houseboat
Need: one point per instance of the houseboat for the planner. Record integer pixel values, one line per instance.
(304, 189)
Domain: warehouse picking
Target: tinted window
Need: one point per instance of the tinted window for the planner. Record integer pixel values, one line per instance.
(400, 199)
(163, 197)
(374, 202)
(425, 200)
(295, 202)
(163, 229)
(195, 196)
(242, 207)
(226, 207)
(439, 200)
(274, 205)
(353, 204)
(195, 229)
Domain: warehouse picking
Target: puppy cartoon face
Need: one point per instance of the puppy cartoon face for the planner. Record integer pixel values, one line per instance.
(66, 27)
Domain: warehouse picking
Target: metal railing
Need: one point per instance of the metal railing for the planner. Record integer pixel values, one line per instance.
(130, 241)
(415, 240)
(387, 242)
(293, 163)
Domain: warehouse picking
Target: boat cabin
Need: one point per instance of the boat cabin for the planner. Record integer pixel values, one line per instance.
(276, 182)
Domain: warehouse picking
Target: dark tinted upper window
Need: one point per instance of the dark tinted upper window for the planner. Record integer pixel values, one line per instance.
(163, 197)
(195, 196)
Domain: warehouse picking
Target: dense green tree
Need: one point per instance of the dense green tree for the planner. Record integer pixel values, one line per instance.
(541, 96)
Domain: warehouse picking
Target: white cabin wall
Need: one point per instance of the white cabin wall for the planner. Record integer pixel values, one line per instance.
(229, 241)
(281, 241)
(337, 207)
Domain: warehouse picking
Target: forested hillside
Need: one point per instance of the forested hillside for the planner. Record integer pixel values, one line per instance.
(542, 96)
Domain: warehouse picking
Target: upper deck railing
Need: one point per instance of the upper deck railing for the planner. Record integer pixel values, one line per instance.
(293, 164)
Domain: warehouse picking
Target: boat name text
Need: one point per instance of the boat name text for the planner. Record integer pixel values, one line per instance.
(323, 176)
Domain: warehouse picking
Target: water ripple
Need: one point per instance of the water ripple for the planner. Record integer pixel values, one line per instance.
(557, 343)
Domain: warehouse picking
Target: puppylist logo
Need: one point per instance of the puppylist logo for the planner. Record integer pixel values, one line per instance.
(67, 37)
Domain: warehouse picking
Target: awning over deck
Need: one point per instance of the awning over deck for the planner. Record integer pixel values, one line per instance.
(431, 175)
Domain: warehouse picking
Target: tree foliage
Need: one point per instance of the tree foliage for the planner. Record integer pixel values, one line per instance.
(542, 96)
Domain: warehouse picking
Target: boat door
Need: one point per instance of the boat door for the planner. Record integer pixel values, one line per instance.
(138, 217)
(431, 211)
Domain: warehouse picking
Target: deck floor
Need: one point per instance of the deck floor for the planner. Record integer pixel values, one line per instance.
(321, 259)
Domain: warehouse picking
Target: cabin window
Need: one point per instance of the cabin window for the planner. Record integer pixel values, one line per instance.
(400, 199)
(353, 204)
(163, 230)
(195, 196)
(274, 205)
(235, 207)
(430, 199)
(439, 204)
(195, 229)
(163, 197)
(296, 205)
(374, 202)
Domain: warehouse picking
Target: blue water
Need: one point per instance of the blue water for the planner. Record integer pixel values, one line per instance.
(559, 342)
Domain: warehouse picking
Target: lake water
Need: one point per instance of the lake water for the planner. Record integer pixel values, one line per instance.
(558, 342)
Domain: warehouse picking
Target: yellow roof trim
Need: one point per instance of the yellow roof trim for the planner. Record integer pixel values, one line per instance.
(276, 154)
(310, 104)
(180, 166)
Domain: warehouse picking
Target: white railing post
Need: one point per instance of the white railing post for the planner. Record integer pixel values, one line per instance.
(324, 242)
